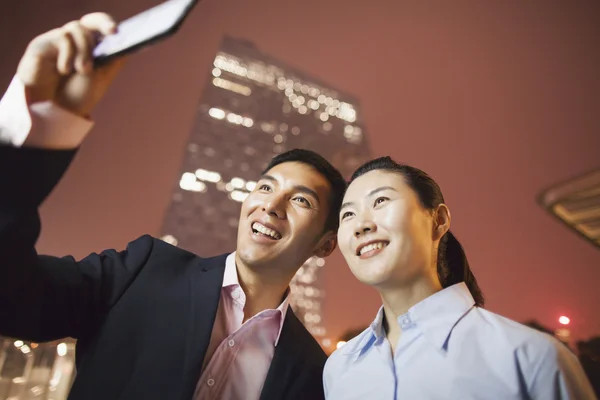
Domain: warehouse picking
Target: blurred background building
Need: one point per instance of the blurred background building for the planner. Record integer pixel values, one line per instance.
(576, 202)
(255, 108)
(36, 371)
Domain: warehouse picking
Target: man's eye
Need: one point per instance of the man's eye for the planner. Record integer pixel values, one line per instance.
(265, 188)
(302, 200)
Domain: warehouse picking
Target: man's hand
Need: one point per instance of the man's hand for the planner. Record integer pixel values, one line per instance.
(58, 65)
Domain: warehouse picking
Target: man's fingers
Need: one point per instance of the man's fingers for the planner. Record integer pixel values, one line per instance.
(84, 42)
(99, 22)
(66, 53)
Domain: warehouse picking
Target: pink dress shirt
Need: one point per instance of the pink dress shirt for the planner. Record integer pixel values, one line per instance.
(239, 353)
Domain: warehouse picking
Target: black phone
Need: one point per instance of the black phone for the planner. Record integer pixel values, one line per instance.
(143, 29)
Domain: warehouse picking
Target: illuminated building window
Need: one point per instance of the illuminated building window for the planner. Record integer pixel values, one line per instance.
(250, 185)
(189, 183)
(216, 113)
(238, 195)
(169, 239)
(209, 176)
(230, 117)
(234, 87)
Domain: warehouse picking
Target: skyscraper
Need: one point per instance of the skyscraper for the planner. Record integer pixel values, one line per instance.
(253, 108)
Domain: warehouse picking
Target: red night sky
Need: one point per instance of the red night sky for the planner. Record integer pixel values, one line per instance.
(496, 100)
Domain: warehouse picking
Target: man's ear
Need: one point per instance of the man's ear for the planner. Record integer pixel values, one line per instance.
(327, 245)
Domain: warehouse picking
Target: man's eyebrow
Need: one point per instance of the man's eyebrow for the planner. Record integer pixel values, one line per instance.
(371, 193)
(267, 177)
(307, 190)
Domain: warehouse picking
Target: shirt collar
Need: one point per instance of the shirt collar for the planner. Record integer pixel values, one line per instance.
(435, 317)
(230, 279)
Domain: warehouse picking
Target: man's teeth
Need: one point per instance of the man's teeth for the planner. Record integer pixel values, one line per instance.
(372, 246)
(266, 231)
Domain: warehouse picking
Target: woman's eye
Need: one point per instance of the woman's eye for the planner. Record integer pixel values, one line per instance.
(265, 187)
(380, 200)
(347, 214)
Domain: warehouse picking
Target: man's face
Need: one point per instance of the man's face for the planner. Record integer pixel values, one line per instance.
(282, 221)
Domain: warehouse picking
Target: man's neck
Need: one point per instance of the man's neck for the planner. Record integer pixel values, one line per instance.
(263, 291)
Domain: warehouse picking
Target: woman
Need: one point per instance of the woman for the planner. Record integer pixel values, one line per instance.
(431, 339)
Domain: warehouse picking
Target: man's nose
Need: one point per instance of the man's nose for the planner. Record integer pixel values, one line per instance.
(274, 205)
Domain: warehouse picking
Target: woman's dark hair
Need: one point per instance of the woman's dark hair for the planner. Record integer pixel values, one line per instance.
(452, 264)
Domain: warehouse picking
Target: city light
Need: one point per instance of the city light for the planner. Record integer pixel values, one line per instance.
(235, 118)
(188, 182)
(237, 183)
(61, 349)
(208, 176)
(232, 118)
(255, 71)
(564, 320)
(172, 240)
(232, 86)
(216, 113)
(340, 344)
(267, 127)
(238, 195)
(250, 185)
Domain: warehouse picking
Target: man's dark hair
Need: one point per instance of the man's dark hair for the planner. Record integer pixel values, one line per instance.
(328, 171)
(452, 264)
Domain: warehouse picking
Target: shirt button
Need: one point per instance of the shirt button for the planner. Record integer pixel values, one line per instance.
(210, 382)
(236, 294)
(231, 343)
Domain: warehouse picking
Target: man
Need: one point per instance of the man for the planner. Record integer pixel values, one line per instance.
(154, 321)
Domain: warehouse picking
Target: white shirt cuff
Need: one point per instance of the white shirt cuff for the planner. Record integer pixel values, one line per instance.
(43, 125)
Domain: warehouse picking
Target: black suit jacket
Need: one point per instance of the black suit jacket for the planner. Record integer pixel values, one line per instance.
(143, 317)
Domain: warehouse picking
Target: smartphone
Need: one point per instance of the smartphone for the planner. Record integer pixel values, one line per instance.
(143, 29)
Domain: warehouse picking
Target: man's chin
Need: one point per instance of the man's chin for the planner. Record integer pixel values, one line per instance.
(253, 256)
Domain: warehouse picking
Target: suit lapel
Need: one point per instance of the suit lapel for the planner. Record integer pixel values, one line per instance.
(285, 361)
(206, 280)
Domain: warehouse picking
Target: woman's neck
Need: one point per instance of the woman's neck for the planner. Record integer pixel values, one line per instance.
(398, 300)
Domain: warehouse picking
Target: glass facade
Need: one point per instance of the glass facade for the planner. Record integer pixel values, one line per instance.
(253, 108)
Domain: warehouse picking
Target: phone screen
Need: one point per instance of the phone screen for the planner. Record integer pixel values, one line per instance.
(143, 27)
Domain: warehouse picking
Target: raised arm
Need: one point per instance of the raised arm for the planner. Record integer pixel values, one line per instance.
(43, 118)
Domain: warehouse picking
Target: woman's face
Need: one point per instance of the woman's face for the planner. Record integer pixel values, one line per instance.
(386, 236)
